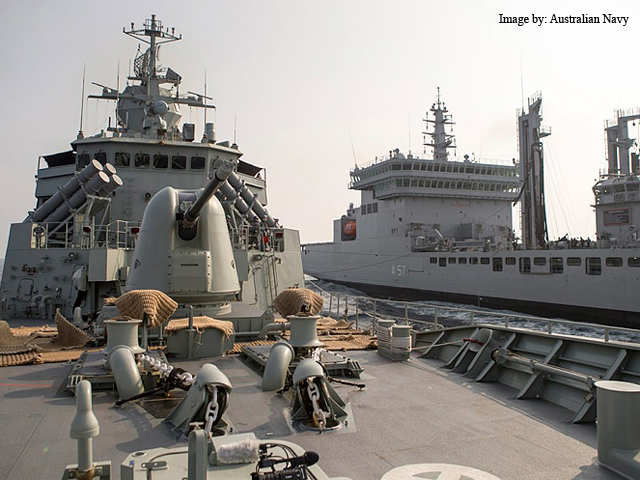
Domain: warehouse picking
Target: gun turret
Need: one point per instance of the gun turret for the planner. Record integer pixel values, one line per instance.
(184, 248)
(220, 176)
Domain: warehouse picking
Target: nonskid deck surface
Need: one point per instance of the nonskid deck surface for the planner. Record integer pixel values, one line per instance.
(411, 412)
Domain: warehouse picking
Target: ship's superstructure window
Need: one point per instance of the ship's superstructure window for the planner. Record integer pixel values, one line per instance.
(485, 261)
(160, 160)
(613, 261)
(123, 159)
(574, 261)
(179, 162)
(141, 160)
(497, 264)
(473, 260)
(452, 259)
(540, 261)
(634, 261)
(443, 262)
(557, 265)
(510, 260)
(525, 265)
(83, 160)
(435, 260)
(593, 266)
(462, 260)
(197, 163)
(101, 157)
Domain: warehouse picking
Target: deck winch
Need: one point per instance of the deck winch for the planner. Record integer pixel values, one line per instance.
(314, 402)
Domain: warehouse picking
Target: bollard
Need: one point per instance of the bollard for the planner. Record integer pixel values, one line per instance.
(84, 427)
(618, 405)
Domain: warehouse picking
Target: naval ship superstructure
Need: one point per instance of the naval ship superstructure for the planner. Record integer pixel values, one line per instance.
(436, 228)
(76, 247)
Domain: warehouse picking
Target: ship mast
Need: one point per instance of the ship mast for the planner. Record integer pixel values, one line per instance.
(156, 100)
(440, 140)
(532, 212)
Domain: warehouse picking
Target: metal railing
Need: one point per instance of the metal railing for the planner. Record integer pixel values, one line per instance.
(117, 234)
(352, 306)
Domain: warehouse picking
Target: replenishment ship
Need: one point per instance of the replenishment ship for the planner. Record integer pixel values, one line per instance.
(435, 228)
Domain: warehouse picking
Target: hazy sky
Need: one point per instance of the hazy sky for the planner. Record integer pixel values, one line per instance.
(314, 84)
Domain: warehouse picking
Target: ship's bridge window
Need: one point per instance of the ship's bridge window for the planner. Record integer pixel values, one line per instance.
(83, 160)
(160, 160)
(406, 166)
(473, 260)
(497, 264)
(179, 162)
(123, 159)
(197, 163)
(540, 261)
(557, 265)
(462, 260)
(395, 166)
(613, 261)
(618, 188)
(484, 260)
(141, 160)
(442, 262)
(452, 259)
(525, 265)
(593, 266)
(633, 187)
(634, 261)
(510, 260)
(101, 157)
(435, 260)
(574, 261)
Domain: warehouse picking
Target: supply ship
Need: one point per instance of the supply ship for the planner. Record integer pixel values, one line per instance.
(436, 228)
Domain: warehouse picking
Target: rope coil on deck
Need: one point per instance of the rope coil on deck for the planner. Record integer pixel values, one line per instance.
(298, 300)
(157, 305)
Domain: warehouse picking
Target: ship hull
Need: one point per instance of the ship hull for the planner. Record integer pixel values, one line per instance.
(608, 298)
(576, 313)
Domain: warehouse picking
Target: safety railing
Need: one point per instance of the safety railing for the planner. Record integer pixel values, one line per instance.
(366, 310)
(117, 234)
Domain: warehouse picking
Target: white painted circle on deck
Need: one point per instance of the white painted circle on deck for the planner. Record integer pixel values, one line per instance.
(437, 471)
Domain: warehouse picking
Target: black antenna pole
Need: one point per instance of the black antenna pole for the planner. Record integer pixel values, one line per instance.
(80, 133)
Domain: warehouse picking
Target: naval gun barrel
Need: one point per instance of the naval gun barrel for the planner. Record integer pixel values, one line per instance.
(219, 177)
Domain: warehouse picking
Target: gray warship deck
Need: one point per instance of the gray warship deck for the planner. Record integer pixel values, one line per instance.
(410, 413)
